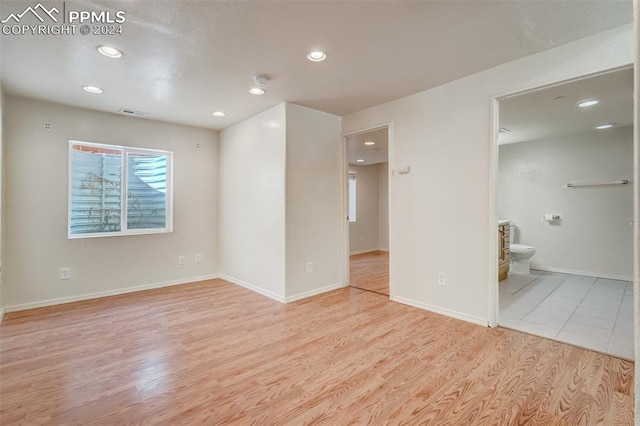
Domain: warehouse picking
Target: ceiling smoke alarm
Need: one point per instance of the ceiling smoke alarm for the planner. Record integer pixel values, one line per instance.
(261, 80)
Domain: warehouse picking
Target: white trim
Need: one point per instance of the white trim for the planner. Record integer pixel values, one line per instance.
(1, 314)
(442, 311)
(584, 273)
(493, 307)
(100, 294)
(253, 288)
(311, 293)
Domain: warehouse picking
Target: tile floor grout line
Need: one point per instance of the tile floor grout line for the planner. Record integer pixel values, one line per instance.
(573, 311)
(615, 323)
(580, 303)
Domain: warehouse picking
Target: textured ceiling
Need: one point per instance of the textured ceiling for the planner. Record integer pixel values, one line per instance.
(371, 154)
(184, 59)
(552, 111)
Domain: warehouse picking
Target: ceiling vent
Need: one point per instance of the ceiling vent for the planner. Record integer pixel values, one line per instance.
(135, 113)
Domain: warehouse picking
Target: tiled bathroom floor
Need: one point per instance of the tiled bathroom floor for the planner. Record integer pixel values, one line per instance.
(591, 312)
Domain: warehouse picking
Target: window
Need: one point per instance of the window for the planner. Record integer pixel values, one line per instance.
(352, 197)
(117, 190)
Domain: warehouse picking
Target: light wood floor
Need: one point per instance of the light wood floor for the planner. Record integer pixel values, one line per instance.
(214, 353)
(370, 271)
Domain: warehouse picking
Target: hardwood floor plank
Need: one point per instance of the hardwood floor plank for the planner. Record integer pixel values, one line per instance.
(215, 353)
(370, 271)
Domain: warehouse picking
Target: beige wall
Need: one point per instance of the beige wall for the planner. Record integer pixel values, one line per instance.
(370, 232)
(252, 202)
(35, 207)
(593, 236)
(447, 200)
(287, 153)
(314, 205)
(363, 233)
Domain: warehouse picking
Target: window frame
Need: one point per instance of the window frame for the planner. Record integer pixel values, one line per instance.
(125, 150)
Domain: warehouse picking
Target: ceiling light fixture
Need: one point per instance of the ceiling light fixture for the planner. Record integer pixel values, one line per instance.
(359, 160)
(369, 143)
(316, 56)
(218, 113)
(109, 52)
(588, 102)
(605, 126)
(257, 91)
(92, 89)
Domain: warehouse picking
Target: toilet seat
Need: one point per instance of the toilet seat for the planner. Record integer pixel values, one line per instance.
(521, 248)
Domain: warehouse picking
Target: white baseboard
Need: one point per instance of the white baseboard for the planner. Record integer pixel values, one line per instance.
(61, 300)
(253, 288)
(1, 314)
(442, 311)
(584, 273)
(311, 293)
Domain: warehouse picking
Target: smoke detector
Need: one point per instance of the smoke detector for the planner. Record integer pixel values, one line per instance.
(260, 80)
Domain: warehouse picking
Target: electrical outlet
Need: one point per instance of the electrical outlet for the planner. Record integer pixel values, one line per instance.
(47, 126)
(361, 237)
(442, 278)
(180, 260)
(198, 258)
(309, 267)
(65, 273)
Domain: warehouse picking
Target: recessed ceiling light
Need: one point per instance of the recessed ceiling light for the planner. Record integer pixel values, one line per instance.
(369, 143)
(218, 113)
(256, 91)
(588, 102)
(110, 52)
(359, 160)
(316, 56)
(605, 126)
(92, 89)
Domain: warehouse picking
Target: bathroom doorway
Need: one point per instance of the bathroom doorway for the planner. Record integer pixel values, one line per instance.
(564, 202)
(367, 243)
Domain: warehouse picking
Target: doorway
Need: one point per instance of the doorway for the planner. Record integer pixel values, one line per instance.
(367, 156)
(564, 195)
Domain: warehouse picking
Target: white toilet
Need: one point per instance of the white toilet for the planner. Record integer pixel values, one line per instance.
(520, 254)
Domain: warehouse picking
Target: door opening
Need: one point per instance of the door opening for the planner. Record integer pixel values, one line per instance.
(367, 164)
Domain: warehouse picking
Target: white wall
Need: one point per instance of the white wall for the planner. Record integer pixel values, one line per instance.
(313, 201)
(445, 202)
(252, 202)
(35, 207)
(363, 233)
(594, 236)
(383, 206)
